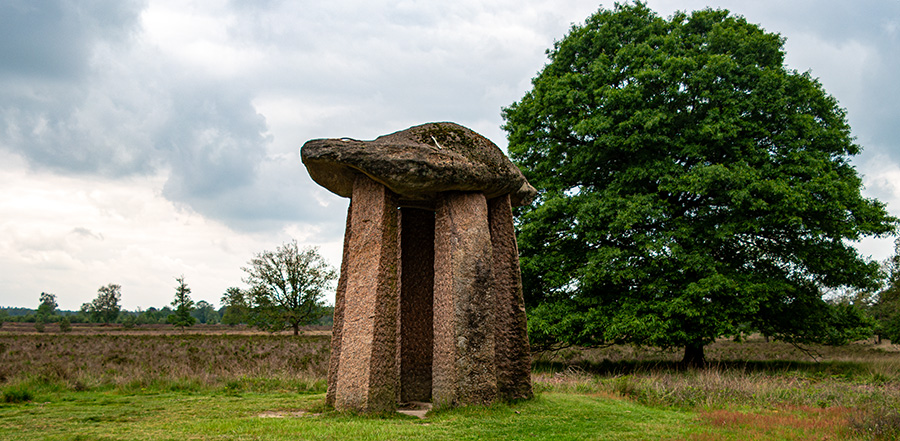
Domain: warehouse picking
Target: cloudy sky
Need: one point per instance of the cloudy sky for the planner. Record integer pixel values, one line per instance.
(143, 140)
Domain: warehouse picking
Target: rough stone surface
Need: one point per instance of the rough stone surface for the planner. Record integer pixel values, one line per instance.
(416, 300)
(338, 322)
(513, 355)
(429, 303)
(367, 376)
(418, 163)
(463, 368)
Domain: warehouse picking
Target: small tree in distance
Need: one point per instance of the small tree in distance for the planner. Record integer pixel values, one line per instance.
(287, 286)
(886, 304)
(105, 308)
(205, 313)
(183, 306)
(236, 306)
(48, 305)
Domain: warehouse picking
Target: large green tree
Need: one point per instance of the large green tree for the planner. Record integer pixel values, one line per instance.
(689, 185)
(287, 286)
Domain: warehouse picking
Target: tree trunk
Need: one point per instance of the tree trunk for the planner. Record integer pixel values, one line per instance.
(693, 355)
(296, 328)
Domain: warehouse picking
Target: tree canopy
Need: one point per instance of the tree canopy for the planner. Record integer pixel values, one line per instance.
(48, 305)
(237, 307)
(105, 308)
(690, 185)
(287, 286)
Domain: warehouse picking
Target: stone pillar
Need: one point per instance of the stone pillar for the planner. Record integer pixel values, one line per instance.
(416, 300)
(367, 378)
(338, 323)
(463, 368)
(513, 354)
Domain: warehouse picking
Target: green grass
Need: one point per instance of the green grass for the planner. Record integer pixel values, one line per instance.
(276, 416)
(212, 415)
(270, 387)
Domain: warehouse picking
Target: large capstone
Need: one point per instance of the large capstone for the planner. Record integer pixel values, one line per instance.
(418, 163)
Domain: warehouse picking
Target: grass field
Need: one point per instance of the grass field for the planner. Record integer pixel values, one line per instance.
(227, 383)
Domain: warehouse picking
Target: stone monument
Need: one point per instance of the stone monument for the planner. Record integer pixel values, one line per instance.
(429, 301)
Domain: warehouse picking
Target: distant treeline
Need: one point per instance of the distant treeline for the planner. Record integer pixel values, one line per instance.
(15, 312)
(203, 313)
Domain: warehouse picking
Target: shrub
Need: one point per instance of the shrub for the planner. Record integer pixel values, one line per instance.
(65, 325)
(17, 395)
(129, 322)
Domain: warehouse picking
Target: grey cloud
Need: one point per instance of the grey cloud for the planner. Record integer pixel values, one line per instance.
(410, 58)
(838, 22)
(54, 39)
(213, 141)
(869, 25)
(70, 130)
(280, 193)
(217, 148)
(119, 109)
(875, 26)
(86, 232)
(54, 110)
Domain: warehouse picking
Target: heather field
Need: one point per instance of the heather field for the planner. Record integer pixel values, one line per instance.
(91, 358)
(217, 382)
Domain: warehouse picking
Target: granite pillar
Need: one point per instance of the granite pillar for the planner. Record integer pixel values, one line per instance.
(338, 321)
(367, 374)
(513, 354)
(463, 370)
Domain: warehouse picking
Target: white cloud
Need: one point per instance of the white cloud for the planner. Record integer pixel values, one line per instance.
(71, 235)
(882, 179)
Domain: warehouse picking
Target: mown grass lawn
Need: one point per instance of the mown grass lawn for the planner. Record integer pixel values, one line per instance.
(291, 416)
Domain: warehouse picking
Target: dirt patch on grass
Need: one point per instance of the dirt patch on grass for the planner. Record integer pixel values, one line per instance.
(417, 409)
(286, 414)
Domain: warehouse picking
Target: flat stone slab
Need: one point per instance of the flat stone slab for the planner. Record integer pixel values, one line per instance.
(418, 163)
(417, 409)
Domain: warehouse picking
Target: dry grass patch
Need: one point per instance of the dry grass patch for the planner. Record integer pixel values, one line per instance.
(165, 361)
(785, 422)
(751, 390)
